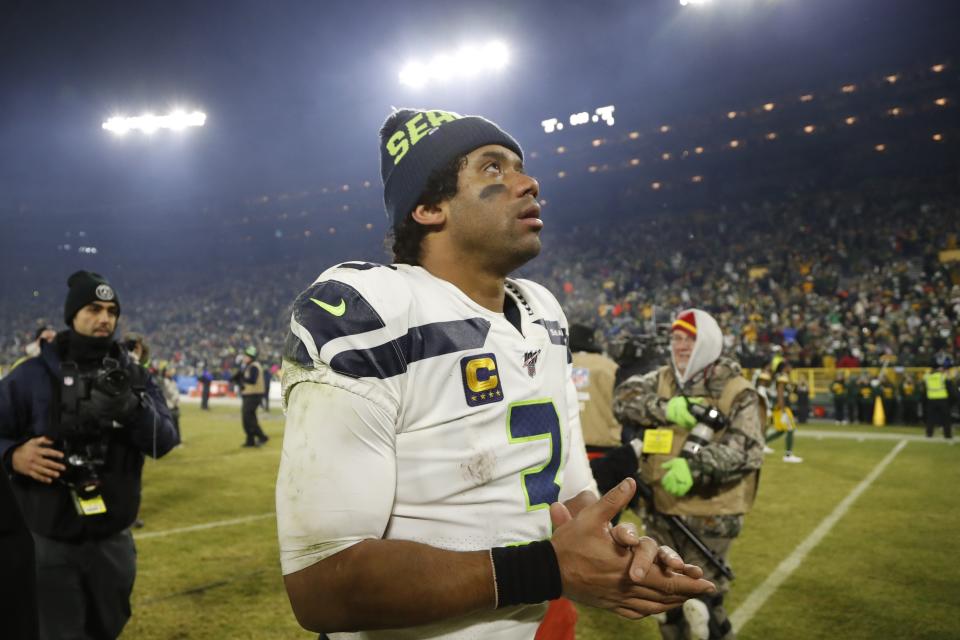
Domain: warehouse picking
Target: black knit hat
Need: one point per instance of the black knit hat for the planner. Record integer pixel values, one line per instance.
(416, 142)
(87, 287)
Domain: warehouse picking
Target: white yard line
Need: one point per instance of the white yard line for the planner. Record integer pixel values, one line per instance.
(816, 434)
(759, 596)
(203, 527)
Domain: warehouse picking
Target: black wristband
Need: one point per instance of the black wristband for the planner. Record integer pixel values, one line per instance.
(526, 574)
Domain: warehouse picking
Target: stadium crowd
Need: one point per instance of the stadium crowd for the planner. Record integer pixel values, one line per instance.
(838, 278)
(842, 278)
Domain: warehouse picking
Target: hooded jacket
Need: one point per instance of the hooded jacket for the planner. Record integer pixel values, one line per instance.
(725, 472)
(30, 407)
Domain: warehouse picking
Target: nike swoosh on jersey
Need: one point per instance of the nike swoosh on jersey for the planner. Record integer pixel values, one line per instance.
(337, 311)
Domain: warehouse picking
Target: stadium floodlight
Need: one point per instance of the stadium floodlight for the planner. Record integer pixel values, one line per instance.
(694, 3)
(148, 123)
(465, 62)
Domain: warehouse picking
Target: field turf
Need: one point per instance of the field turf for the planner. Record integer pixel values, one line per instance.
(208, 567)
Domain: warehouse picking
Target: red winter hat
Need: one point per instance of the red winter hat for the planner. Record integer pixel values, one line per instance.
(686, 322)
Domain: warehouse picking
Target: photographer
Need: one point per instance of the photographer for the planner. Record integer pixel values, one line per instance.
(75, 423)
(704, 464)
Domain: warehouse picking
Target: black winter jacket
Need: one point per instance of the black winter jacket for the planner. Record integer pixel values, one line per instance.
(29, 406)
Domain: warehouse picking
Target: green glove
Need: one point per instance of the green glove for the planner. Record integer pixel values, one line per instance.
(678, 480)
(678, 413)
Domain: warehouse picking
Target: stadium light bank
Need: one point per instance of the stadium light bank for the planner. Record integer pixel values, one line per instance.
(149, 123)
(466, 62)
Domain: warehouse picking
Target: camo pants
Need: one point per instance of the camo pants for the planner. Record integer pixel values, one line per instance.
(716, 532)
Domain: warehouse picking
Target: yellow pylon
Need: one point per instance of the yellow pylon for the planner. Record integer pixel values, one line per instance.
(879, 417)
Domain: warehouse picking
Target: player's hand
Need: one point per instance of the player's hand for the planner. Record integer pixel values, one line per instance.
(37, 459)
(678, 480)
(626, 534)
(596, 570)
(679, 413)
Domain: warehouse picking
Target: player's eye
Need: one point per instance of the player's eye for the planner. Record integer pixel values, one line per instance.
(492, 167)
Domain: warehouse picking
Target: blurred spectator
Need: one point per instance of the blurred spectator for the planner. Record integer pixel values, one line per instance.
(251, 380)
(939, 393)
(838, 389)
(171, 394)
(803, 401)
(45, 333)
(909, 400)
(205, 379)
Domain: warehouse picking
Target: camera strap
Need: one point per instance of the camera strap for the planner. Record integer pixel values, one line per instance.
(74, 389)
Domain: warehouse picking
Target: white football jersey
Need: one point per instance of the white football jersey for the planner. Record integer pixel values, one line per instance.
(458, 430)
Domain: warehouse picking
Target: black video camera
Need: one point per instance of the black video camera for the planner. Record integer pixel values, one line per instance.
(93, 403)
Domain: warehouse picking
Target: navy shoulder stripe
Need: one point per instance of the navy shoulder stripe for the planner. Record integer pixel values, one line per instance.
(419, 343)
(558, 335)
(332, 309)
(363, 266)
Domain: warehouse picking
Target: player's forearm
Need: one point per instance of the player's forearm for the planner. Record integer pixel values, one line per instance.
(384, 584)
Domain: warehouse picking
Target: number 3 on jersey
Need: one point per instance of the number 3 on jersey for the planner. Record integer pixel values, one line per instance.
(538, 420)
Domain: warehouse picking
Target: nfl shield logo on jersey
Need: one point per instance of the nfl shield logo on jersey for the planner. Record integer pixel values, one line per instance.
(481, 383)
(530, 361)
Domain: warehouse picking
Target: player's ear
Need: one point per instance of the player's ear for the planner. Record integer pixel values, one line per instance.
(431, 216)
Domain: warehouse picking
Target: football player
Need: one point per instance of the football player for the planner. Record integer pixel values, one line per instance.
(434, 481)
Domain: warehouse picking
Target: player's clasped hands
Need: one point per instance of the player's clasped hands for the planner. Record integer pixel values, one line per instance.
(614, 568)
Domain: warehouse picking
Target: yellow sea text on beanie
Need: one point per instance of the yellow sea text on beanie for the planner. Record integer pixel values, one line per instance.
(415, 129)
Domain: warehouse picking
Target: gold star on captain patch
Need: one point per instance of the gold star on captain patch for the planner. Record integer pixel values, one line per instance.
(473, 398)
(483, 396)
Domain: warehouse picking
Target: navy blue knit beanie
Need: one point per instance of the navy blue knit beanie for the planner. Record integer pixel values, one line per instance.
(416, 142)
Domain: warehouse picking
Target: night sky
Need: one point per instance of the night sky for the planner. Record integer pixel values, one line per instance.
(295, 91)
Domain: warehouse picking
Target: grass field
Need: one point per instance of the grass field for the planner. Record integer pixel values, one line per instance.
(888, 568)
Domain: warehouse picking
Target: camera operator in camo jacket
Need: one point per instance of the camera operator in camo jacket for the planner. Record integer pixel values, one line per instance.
(706, 474)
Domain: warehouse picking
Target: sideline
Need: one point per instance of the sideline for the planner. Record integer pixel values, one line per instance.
(202, 527)
(759, 596)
